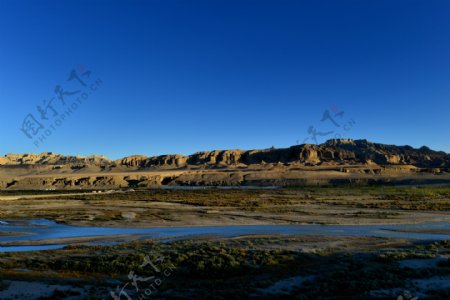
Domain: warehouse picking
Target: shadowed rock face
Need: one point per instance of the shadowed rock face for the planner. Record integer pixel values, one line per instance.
(332, 152)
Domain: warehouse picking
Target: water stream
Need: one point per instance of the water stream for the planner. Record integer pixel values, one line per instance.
(22, 231)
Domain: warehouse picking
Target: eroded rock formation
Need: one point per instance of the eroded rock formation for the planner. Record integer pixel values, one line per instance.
(338, 160)
(336, 151)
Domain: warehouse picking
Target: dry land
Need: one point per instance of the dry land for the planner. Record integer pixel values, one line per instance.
(243, 267)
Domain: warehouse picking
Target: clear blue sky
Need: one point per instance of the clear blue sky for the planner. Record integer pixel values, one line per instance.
(185, 76)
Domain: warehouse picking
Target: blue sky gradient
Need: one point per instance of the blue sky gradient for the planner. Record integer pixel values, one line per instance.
(185, 76)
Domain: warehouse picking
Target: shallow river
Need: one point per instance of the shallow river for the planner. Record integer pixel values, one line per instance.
(36, 230)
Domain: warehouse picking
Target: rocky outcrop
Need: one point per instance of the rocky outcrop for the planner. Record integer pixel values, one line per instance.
(333, 152)
(132, 161)
(49, 158)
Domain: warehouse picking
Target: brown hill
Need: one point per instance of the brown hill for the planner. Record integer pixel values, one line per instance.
(332, 152)
(335, 161)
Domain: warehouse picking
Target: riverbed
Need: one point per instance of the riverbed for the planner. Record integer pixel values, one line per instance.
(43, 234)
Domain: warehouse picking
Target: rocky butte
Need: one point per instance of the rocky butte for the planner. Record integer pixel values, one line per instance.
(337, 161)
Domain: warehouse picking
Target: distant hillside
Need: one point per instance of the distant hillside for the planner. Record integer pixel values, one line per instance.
(334, 162)
(332, 152)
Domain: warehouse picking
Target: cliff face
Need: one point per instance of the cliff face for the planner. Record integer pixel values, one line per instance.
(333, 162)
(332, 152)
(382, 154)
(49, 158)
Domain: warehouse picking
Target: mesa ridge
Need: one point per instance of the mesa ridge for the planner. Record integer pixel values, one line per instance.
(337, 161)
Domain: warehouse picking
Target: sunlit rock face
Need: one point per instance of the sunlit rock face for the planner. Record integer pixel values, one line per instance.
(337, 151)
(337, 161)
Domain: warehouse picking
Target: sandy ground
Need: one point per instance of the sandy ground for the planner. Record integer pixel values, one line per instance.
(149, 211)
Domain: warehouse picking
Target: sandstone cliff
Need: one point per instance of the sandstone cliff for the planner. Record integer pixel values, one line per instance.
(332, 152)
(333, 162)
